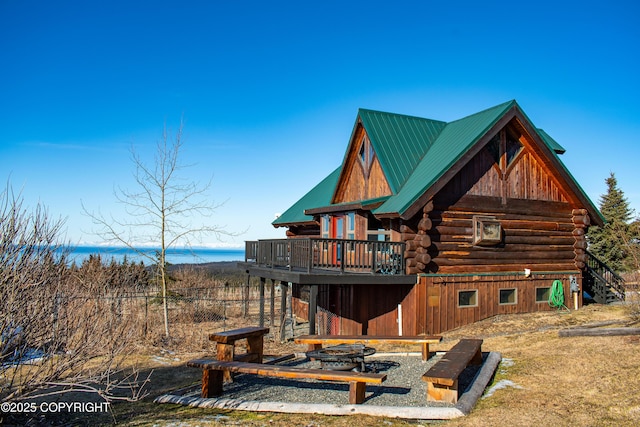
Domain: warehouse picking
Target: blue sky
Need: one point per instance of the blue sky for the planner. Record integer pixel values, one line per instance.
(269, 91)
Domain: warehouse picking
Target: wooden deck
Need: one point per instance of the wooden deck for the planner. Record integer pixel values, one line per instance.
(327, 256)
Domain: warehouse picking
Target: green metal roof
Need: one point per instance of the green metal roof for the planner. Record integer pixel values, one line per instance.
(399, 142)
(552, 143)
(414, 154)
(319, 196)
(454, 141)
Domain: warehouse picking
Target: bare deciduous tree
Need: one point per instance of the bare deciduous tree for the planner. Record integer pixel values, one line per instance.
(160, 210)
(54, 338)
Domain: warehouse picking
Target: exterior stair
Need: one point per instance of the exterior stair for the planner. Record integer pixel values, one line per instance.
(601, 282)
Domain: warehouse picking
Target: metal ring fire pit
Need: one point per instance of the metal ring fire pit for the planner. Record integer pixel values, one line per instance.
(343, 357)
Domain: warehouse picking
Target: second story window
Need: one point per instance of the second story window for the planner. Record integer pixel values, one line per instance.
(325, 226)
(366, 154)
(351, 225)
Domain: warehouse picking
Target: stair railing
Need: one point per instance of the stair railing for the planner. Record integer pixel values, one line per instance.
(603, 274)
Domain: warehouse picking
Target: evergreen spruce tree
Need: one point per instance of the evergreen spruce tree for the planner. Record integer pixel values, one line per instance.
(611, 243)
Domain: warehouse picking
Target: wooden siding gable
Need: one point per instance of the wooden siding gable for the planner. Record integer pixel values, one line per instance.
(474, 137)
(526, 176)
(399, 142)
(362, 176)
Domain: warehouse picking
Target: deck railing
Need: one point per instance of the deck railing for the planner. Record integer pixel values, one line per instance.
(338, 255)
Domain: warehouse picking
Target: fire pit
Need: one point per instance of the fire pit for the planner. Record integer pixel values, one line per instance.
(344, 357)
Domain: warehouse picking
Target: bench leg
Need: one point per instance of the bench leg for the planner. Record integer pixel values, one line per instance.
(255, 345)
(425, 351)
(356, 392)
(314, 347)
(211, 382)
(442, 393)
(477, 358)
(225, 352)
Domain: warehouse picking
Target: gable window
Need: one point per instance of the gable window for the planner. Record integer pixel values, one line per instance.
(366, 154)
(504, 154)
(514, 147)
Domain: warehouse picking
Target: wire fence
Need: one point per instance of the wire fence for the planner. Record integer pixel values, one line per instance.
(193, 313)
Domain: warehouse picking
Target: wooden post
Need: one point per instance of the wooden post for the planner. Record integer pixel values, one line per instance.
(356, 392)
(262, 283)
(272, 308)
(245, 309)
(283, 309)
(313, 307)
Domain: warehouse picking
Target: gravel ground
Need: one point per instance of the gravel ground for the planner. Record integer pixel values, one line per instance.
(403, 387)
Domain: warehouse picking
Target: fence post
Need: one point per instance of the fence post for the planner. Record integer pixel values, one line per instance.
(245, 309)
(146, 316)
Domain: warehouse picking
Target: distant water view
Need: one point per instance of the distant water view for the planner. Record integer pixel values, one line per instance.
(177, 255)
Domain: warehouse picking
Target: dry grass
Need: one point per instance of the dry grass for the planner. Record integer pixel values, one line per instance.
(584, 381)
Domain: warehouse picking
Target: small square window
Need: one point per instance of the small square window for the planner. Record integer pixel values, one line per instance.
(542, 294)
(508, 296)
(486, 231)
(468, 298)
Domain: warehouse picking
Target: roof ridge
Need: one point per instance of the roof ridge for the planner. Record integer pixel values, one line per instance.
(495, 107)
(410, 116)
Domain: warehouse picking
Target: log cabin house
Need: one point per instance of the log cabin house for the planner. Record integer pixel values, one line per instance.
(430, 225)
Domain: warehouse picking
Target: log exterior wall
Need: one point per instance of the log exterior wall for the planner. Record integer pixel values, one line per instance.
(543, 231)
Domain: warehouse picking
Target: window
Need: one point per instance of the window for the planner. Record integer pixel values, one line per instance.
(376, 232)
(513, 149)
(468, 298)
(510, 149)
(351, 225)
(494, 148)
(508, 296)
(542, 294)
(486, 231)
(366, 154)
(325, 220)
(363, 152)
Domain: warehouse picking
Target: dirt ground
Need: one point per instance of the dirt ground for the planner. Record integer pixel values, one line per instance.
(543, 380)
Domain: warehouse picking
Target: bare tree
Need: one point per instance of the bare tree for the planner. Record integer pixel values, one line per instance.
(161, 209)
(54, 338)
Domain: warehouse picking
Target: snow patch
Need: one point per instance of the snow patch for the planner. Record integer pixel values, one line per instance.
(500, 385)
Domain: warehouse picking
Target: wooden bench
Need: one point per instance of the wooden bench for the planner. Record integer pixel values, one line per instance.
(225, 345)
(316, 342)
(442, 378)
(213, 373)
